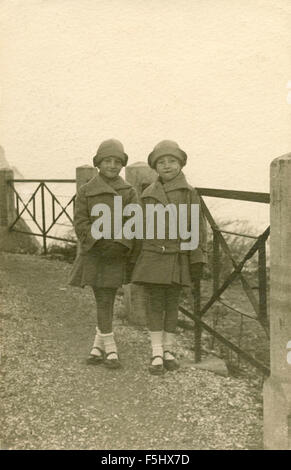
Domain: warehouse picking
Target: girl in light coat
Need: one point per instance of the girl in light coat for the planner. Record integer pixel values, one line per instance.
(162, 266)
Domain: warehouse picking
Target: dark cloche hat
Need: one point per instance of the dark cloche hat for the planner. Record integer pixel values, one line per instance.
(110, 148)
(167, 147)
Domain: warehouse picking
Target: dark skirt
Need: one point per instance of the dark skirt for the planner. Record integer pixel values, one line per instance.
(162, 269)
(98, 271)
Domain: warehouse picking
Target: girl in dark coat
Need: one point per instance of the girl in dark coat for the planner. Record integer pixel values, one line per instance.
(162, 266)
(102, 264)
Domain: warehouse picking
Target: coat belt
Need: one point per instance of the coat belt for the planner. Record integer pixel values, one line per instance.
(161, 249)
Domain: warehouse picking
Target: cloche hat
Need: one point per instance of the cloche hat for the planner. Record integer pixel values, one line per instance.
(167, 147)
(110, 148)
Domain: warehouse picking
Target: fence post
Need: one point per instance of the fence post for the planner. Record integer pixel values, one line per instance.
(6, 209)
(262, 274)
(6, 197)
(197, 326)
(140, 175)
(43, 219)
(277, 388)
(84, 174)
(216, 261)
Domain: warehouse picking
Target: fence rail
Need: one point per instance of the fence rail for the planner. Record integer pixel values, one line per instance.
(40, 194)
(237, 195)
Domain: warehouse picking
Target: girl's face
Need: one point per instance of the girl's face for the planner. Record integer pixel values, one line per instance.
(168, 167)
(110, 167)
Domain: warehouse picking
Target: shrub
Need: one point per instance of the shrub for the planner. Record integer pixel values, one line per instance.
(64, 250)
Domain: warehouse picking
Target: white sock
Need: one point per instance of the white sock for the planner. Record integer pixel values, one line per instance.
(157, 346)
(168, 342)
(98, 343)
(109, 345)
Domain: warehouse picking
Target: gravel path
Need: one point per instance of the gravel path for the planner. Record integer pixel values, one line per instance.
(52, 400)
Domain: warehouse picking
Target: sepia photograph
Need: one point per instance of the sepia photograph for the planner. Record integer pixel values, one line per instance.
(145, 227)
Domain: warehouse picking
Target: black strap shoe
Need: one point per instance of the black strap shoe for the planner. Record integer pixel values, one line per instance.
(93, 359)
(112, 363)
(171, 364)
(157, 369)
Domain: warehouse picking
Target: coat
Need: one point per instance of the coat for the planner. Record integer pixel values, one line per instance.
(162, 261)
(100, 263)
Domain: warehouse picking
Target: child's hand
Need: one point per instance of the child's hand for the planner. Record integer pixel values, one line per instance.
(196, 271)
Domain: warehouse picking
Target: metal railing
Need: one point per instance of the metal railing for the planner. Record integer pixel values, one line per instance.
(218, 288)
(44, 196)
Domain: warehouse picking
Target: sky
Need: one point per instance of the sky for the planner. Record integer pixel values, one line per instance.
(209, 74)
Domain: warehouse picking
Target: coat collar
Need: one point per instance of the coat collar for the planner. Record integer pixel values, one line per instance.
(158, 191)
(97, 185)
